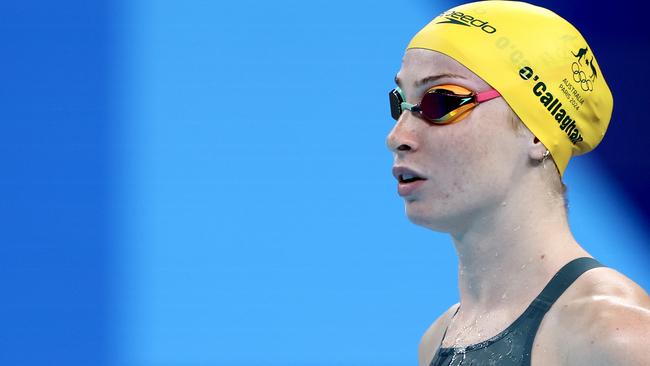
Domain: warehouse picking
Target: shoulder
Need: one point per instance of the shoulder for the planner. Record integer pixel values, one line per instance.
(605, 322)
(433, 336)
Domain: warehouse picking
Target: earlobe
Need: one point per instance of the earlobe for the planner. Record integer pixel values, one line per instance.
(545, 155)
(538, 151)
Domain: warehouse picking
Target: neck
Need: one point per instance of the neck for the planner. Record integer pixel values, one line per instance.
(519, 238)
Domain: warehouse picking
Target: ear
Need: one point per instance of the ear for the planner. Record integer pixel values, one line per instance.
(536, 149)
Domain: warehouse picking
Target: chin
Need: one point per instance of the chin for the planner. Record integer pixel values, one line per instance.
(424, 216)
(417, 211)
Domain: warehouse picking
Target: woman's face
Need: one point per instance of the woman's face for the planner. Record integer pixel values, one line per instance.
(468, 165)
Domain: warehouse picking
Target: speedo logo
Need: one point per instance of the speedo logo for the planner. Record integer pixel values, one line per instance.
(553, 106)
(456, 17)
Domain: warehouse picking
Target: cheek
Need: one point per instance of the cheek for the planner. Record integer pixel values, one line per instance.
(464, 152)
(468, 158)
(450, 167)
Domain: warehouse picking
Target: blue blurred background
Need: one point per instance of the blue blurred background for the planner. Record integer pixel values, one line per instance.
(206, 183)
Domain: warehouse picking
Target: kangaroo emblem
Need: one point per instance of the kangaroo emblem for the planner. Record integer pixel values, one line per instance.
(581, 53)
(594, 74)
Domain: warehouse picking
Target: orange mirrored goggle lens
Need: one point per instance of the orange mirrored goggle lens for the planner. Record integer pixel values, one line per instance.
(441, 104)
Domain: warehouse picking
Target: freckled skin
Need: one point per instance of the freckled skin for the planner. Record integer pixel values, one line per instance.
(469, 164)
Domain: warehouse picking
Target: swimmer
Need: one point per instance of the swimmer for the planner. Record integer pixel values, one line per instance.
(484, 132)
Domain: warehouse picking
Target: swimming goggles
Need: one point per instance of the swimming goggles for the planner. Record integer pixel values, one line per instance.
(441, 104)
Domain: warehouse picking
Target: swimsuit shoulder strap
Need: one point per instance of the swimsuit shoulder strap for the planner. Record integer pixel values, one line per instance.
(562, 280)
(526, 328)
(447, 327)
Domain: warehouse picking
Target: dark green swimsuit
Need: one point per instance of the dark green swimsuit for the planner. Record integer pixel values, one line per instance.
(513, 346)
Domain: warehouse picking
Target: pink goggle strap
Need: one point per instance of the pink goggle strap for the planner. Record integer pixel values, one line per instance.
(487, 95)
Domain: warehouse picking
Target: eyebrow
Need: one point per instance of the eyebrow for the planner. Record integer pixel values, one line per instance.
(430, 79)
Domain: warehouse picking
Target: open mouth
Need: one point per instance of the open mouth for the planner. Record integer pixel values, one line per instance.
(408, 178)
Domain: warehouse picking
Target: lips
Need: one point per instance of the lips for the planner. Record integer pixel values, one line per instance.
(408, 180)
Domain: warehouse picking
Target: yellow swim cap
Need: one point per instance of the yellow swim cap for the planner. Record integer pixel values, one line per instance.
(539, 62)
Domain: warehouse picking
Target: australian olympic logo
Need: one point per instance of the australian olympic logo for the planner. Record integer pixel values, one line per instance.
(579, 76)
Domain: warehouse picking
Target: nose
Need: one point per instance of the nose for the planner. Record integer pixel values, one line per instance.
(403, 137)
